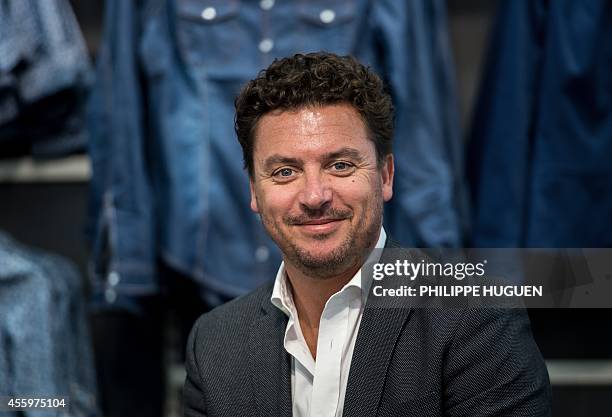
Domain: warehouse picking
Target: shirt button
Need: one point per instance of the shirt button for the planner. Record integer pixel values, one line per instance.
(262, 254)
(110, 296)
(327, 16)
(113, 278)
(266, 4)
(266, 45)
(209, 13)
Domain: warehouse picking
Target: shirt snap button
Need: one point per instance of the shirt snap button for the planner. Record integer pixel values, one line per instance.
(262, 254)
(327, 16)
(209, 13)
(266, 45)
(266, 4)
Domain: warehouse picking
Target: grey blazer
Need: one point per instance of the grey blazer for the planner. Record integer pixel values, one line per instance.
(406, 362)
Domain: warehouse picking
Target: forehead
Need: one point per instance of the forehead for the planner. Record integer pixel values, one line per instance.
(311, 129)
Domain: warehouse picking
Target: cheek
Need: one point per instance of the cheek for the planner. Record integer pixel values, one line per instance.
(275, 201)
(357, 190)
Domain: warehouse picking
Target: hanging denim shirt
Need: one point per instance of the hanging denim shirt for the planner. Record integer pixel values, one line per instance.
(541, 142)
(167, 169)
(46, 348)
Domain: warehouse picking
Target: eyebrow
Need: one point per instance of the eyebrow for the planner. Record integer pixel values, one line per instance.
(346, 152)
(278, 159)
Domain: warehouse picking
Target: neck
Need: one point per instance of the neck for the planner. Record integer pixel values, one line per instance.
(310, 294)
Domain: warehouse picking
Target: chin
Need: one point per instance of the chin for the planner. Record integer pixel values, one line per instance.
(323, 247)
(320, 257)
(323, 259)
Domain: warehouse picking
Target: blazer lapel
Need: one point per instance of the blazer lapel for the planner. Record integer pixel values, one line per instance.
(270, 365)
(376, 339)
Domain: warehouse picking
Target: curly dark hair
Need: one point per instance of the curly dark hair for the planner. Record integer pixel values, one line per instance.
(315, 79)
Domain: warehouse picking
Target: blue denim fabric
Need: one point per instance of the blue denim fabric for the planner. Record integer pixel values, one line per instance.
(45, 347)
(45, 73)
(541, 141)
(167, 169)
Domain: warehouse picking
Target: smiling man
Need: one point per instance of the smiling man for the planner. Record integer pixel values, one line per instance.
(316, 132)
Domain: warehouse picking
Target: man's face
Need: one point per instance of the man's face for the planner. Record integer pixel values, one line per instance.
(318, 188)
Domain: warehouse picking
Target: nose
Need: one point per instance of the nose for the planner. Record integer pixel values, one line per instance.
(316, 194)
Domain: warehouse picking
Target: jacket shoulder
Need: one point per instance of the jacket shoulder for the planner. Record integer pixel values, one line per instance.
(234, 316)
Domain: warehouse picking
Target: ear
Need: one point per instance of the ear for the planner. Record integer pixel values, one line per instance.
(254, 206)
(387, 171)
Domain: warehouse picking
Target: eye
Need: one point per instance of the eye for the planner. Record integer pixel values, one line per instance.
(342, 167)
(284, 173)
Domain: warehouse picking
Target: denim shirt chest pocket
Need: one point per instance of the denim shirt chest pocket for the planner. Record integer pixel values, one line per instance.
(327, 25)
(208, 32)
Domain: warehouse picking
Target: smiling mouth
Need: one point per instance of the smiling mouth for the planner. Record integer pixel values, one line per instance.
(319, 222)
(320, 226)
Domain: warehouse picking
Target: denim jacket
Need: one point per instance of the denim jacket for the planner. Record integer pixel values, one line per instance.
(167, 169)
(542, 132)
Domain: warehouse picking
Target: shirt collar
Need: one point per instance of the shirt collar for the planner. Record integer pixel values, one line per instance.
(281, 294)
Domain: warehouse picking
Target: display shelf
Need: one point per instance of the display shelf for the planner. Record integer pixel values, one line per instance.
(580, 372)
(28, 170)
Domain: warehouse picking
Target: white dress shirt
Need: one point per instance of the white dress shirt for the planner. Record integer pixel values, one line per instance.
(318, 387)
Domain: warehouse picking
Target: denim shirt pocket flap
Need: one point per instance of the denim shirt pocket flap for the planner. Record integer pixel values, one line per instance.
(208, 32)
(327, 13)
(208, 11)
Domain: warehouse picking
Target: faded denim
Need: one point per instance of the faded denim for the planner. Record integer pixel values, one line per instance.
(45, 347)
(541, 140)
